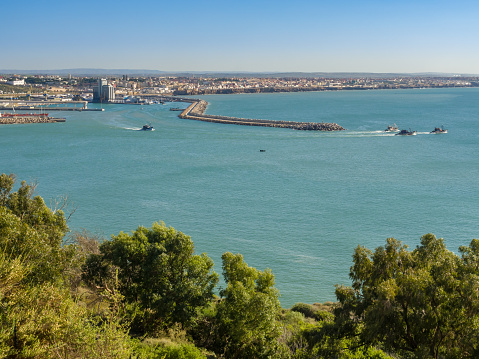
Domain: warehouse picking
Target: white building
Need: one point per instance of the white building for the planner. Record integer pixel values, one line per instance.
(108, 92)
(17, 82)
(103, 92)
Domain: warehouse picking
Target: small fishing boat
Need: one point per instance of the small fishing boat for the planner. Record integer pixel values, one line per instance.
(147, 127)
(392, 128)
(439, 130)
(406, 133)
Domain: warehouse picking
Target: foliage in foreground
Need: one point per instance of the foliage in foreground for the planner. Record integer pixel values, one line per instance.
(157, 273)
(243, 323)
(422, 303)
(176, 351)
(38, 316)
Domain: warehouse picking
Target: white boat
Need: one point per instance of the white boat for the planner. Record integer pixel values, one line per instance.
(392, 128)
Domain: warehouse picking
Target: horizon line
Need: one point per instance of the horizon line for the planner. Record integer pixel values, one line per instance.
(126, 71)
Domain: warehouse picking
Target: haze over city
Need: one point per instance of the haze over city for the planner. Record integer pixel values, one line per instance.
(258, 36)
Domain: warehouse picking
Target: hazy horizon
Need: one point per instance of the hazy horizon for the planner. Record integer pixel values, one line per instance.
(371, 36)
(149, 72)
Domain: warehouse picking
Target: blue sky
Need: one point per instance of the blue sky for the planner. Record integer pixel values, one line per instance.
(277, 36)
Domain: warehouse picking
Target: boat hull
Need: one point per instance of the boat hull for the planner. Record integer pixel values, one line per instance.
(392, 128)
(147, 128)
(406, 133)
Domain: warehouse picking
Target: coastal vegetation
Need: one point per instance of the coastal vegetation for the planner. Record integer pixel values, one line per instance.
(146, 294)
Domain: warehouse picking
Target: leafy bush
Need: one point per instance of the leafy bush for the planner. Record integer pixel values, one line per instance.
(38, 316)
(181, 351)
(157, 272)
(305, 309)
(322, 315)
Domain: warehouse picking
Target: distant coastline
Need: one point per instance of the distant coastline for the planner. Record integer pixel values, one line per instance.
(278, 89)
(38, 91)
(275, 74)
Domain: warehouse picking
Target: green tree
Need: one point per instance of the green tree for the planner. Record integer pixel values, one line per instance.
(178, 351)
(248, 311)
(29, 228)
(418, 302)
(39, 318)
(157, 273)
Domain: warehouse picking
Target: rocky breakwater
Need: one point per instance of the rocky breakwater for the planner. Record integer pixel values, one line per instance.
(196, 112)
(10, 119)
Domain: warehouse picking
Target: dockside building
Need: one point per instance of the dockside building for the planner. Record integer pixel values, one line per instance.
(103, 92)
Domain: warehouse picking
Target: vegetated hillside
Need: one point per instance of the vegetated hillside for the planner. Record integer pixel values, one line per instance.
(147, 294)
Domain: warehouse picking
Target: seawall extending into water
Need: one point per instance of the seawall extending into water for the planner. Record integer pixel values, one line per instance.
(196, 112)
(48, 108)
(11, 120)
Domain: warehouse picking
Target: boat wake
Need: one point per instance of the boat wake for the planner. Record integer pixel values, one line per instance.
(353, 133)
(135, 129)
(364, 134)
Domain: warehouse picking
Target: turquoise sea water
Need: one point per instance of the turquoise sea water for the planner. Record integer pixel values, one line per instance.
(299, 208)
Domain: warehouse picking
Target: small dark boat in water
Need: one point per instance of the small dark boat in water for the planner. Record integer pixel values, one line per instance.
(439, 130)
(147, 127)
(406, 133)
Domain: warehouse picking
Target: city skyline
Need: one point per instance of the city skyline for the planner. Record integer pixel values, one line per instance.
(264, 36)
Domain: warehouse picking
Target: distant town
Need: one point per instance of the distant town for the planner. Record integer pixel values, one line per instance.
(126, 88)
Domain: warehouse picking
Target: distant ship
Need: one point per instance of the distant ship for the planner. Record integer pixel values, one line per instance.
(147, 127)
(392, 128)
(439, 130)
(406, 133)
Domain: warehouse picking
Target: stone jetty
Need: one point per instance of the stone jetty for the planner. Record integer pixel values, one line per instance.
(22, 119)
(196, 112)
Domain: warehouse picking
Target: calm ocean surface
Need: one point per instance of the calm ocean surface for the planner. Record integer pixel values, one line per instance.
(299, 208)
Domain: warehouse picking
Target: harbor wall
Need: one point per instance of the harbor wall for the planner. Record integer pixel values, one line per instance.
(48, 109)
(28, 119)
(196, 112)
